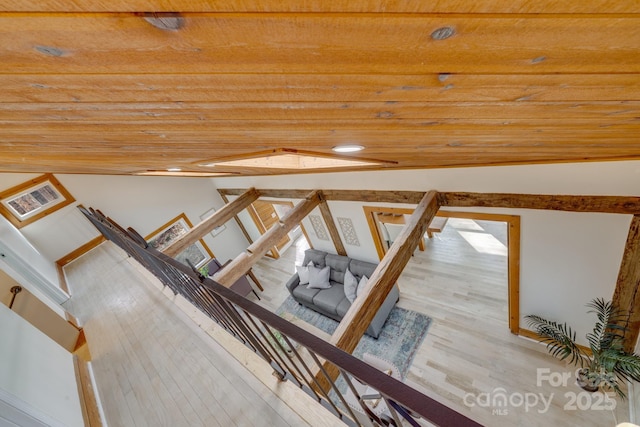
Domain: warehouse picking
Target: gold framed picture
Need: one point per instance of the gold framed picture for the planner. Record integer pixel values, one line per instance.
(198, 253)
(32, 200)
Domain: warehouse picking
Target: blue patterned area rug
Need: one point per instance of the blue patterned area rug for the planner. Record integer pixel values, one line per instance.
(401, 336)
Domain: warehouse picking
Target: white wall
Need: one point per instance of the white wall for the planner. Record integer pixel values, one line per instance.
(567, 259)
(57, 234)
(37, 375)
(248, 223)
(366, 251)
(22, 261)
(24, 249)
(144, 203)
(613, 178)
(316, 242)
(563, 251)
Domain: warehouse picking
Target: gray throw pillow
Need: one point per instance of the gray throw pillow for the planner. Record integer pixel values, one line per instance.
(319, 277)
(361, 285)
(303, 273)
(350, 285)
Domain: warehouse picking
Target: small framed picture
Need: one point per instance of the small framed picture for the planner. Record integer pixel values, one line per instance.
(33, 200)
(198, 253)
(216, 230)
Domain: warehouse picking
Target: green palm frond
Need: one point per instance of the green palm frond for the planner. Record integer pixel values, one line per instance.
(560, 339)
(608, 362)
(626, 366)
(609, 327)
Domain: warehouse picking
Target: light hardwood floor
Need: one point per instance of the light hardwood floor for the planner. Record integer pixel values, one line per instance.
(153, 366)
(460, 281)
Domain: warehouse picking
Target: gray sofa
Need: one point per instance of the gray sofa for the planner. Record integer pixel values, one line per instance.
(333, 302)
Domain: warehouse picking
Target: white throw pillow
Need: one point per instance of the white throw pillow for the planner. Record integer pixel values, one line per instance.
(303, 272)
(361, 285)
(350, 285)
(319, 278)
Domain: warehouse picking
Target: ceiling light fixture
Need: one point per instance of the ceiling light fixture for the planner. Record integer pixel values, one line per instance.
(174, 170)
(347, 148)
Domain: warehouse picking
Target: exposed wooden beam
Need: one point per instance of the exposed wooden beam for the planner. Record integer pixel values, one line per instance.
(381, 196)
(627, 293)
(363, 309)
(569, 203)
(240, 224)
(243, 262)
(412, 197)
(331, 226)
(217, 219)
(272, 193)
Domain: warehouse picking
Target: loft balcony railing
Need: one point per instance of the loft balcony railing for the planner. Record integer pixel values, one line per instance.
(272, 337)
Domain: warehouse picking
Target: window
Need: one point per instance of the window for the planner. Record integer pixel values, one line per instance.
(33, 200)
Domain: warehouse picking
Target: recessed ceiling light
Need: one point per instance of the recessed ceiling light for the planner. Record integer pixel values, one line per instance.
(347, 148)
(174, 170)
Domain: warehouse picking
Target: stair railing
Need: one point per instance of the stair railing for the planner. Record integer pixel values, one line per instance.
(293, 353)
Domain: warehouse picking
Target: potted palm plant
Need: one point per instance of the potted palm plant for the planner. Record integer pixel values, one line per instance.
(282, 343)
(607, 362)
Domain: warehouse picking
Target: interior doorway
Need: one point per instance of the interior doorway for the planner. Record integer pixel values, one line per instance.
(385, 223)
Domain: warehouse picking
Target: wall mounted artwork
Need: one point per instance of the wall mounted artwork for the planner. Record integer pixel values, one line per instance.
(318, 227)
(198, 253)
(348, 231)
(219, 229)
(33, 200)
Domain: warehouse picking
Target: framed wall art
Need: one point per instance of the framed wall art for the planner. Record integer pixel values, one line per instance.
(33, 200)
(318, 227)
(216, 230)
(198, 253)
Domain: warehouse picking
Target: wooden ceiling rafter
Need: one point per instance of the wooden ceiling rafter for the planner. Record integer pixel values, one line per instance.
(327, 217)
(240, 265)
(354, 324)
(627, 294)
(569, 203)
(218, 218)
(362, 311)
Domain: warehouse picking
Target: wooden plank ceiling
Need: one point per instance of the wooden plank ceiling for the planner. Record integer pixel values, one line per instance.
(106, 87)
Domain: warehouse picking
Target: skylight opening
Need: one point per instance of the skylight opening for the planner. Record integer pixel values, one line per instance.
(293, 160)
(194, 174)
